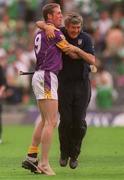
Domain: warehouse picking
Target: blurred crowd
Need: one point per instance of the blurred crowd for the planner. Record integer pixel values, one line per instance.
(103, 20)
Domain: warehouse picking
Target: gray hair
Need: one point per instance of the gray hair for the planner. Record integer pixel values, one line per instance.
(73, 18)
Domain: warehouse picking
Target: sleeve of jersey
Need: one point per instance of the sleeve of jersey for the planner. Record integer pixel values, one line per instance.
(60, 40)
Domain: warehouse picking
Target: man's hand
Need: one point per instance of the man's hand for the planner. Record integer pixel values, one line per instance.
(69, 49)
(93, 68)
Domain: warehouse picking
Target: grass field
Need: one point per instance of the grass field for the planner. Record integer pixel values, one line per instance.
(102, 157)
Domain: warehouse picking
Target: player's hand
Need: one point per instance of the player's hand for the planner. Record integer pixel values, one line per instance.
(50, 31)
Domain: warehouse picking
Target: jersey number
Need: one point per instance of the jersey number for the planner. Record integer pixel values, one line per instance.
(37, 43)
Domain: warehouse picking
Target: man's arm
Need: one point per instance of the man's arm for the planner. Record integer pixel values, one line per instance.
(76, 53)
(79, 53)
(89, 58)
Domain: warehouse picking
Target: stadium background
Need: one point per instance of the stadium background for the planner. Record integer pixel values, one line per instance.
(102, 156)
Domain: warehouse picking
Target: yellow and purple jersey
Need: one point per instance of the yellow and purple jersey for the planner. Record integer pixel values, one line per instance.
(48, 51)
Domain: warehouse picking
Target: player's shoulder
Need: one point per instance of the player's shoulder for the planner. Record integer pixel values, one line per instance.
(58, 33)
(38, 30)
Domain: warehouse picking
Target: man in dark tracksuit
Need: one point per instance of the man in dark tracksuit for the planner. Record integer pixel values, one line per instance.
(74, 93)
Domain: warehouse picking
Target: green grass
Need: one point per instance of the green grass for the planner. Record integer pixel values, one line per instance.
(102, 156)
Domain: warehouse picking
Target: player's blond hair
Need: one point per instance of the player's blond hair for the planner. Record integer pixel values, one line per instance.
(49, 9)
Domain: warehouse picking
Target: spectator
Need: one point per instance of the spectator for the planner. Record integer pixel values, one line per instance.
(104, 89)
(2, 85)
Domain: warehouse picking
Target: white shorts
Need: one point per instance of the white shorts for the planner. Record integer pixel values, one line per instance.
(45, 85)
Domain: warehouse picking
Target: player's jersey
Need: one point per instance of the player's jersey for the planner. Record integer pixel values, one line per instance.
(48, 55)
(76, 70)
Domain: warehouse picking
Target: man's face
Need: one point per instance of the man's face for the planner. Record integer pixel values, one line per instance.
(73, 30)
(56, 18)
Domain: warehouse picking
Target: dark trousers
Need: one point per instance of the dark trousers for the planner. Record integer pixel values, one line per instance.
(0, 121)
(74, 98)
